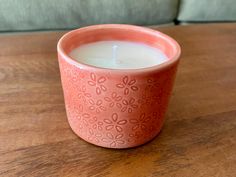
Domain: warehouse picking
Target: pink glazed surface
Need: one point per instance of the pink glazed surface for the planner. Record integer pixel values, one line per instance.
(111, 107)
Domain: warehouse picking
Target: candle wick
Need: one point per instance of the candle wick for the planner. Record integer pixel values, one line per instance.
(114, 53)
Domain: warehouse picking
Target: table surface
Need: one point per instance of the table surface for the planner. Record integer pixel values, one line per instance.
(198, 138)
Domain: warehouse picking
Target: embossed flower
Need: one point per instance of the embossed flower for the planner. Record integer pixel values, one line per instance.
(155, 115)
(157, 98)
(96, 124)
(92, 136)
(77, 114)
(74, 74)
(83, 94)
(140, 123)
(136, 134)
(114, 123)
(151, 84)
(154, 123)
(113, 140)
(84, 118)
(114, 100)
(129, 105)
(96, 106)
(127, 85)
(97, 82)
(147, 100)
(78, 110)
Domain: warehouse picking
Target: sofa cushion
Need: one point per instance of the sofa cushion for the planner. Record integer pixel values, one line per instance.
(207, 10)
(20, 15)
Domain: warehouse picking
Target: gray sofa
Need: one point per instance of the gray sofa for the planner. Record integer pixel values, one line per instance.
(31, 15)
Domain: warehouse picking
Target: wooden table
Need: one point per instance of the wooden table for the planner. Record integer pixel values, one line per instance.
(198, 139)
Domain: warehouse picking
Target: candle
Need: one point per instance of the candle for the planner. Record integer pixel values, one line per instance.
(118, 55)
(110, 101)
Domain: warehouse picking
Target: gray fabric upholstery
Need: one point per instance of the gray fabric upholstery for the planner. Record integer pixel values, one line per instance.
(18, 15)
(207, 10)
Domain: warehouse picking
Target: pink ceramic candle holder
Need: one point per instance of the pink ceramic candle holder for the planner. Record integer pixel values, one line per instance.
(116, 108)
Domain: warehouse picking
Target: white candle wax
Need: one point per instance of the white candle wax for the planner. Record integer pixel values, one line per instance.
(118, 55)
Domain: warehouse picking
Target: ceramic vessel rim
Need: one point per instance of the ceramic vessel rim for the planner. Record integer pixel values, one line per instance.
(154, 68)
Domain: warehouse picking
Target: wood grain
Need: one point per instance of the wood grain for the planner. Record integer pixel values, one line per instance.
(198, 139)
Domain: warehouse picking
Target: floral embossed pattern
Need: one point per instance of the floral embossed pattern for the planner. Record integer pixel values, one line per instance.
(114, 100)
(129, 105)
(115, 123)
(140, 123)
(96, 106)
(113, 108)
(97, 82)
(114, 140)
(127, 85)
(116, 114)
